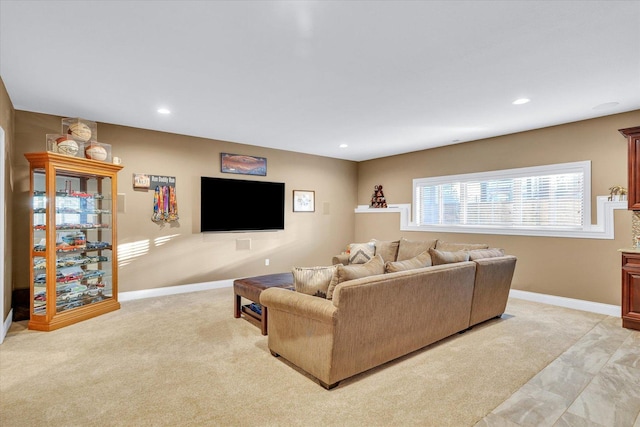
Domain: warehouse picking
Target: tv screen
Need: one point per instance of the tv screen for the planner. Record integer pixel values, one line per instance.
(241, 205)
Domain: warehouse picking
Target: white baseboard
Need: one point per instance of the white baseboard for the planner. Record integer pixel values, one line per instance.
(576, 304)
(6, 325)
(172, 290)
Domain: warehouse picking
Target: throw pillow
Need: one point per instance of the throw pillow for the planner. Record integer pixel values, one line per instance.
(359, 253)
(485, 253)
(314, 280)
(387, 249)
(412, 248)
(422, 260)
(453, 247)
(351, 272)
(444, 257)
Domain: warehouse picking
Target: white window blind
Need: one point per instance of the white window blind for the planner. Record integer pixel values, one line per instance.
(544, 197)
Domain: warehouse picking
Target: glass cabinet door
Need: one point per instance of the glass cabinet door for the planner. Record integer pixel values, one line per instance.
(83, 241)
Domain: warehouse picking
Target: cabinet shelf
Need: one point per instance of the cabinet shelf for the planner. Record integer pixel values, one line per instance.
(70, 249)
(75, 227)
(74, 272)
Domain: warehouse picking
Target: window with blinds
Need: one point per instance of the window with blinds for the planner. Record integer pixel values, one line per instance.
(544, 197)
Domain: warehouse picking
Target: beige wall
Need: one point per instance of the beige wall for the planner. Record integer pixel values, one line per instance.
(167, 255)
(6, 122)
(176, 254)
(586, 269)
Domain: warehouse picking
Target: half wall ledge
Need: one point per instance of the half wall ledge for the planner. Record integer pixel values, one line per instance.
(603, 229)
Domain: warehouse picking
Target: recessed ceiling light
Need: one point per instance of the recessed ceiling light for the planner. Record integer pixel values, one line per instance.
(606, 105)
(164, 111)
(343, 145)
(521, 101)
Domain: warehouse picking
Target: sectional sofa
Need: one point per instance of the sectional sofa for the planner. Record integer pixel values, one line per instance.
(381, 309)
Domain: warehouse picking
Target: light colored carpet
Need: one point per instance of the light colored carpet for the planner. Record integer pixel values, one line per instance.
(183, 360)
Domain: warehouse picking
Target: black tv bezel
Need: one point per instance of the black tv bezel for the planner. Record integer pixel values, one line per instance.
(252, 185)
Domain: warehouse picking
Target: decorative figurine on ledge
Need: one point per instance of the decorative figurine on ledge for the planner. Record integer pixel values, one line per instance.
(618, 193)
(378, 200)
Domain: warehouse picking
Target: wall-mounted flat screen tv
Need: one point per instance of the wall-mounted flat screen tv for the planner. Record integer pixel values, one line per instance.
(241, 205)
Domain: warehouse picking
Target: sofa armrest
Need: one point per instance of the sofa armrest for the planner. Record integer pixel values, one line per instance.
(299, 304)
(302, 330)
(491, 289)
(341, 259)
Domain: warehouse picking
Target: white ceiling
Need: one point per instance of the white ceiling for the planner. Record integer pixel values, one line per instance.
(384, 77)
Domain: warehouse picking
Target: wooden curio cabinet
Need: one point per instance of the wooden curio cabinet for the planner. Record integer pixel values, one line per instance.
(74, 269)
(631, 290)
(633, 139)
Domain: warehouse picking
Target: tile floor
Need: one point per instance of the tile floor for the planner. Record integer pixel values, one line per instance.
(596, 382)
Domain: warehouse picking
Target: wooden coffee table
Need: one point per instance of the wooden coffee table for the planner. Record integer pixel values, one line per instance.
(250, 288)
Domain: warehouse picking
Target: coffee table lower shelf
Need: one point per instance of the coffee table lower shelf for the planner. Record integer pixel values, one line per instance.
(250, 288)
(252, 315)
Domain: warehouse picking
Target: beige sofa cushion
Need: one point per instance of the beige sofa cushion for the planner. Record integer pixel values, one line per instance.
(314, 280)
(452, 247)
(485, 253)
(359, 253)
(412, 248)
(356, 271)
(387, 249)
(422, 260)
(446, 257)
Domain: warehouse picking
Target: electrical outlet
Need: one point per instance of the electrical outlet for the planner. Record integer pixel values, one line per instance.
(266, 261)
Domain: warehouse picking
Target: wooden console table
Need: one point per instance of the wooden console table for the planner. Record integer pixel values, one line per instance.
(250, 288)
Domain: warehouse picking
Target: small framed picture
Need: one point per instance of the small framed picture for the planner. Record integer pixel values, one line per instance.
(141, 180)
(304, 201)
